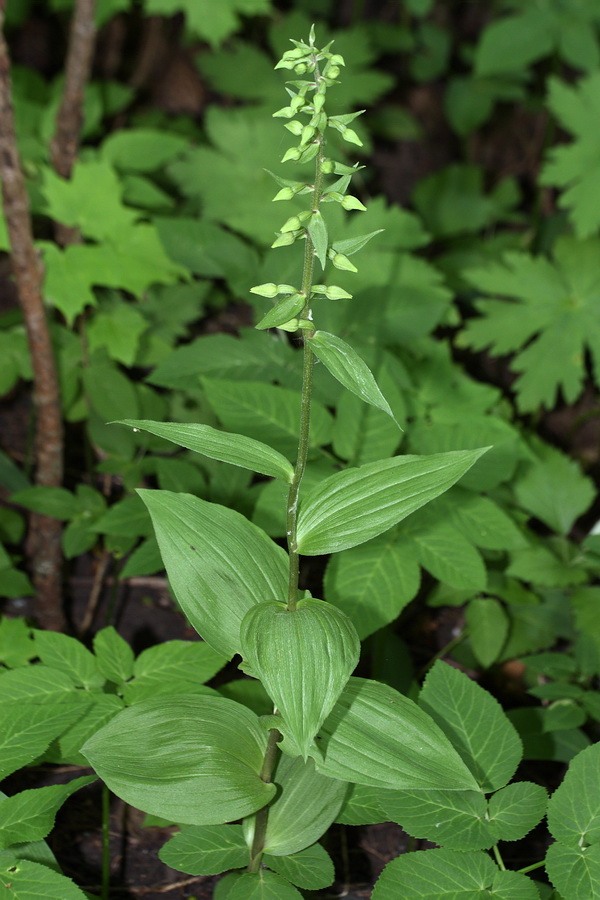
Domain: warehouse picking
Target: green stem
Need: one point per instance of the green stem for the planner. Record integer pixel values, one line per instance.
(499, 859)
(262, 816)
(105, 843)
(537, 865)
(307, 374)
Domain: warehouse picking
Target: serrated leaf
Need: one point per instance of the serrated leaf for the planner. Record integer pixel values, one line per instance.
(306, 805)
(206, 849)
(28, 880)
(310, 869)
(574, 870)
(172, 667)
(453, 819)
(514, 42)
(194, 759)
(551, 324)
(574, 808)
(218, 563)
(29, 815)
(450, 875)
(142, 149)
(372, 583)
(474, 723)
(346, 365)
(444, 552)
(376, 736)
(362, 806)
(263, 885)
(26, 730)
(235, 449)
(353, 506)
(516, 809)
(303, 658)
(68, 655)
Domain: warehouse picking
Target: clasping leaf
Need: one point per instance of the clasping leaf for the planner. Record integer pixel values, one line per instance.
(303, 657)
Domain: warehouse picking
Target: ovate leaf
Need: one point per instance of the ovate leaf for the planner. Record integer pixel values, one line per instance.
(475, 724)
(206, 849)
(21, 879)
(345, 364)
(235, 449)
(488, 626)
(310, 869)
(317, 230)
(376, 736)
(306, 805)
(263, 885)
(218, 564)
(353, 506)
(114, 656)
(516, 809)
(29, 815)
(450, 875)
(453, 819)
(303, 658)
(194, 760)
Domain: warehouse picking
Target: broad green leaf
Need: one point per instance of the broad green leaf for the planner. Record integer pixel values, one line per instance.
(282, 312)
(37, 684)
(204, 19)
(513, 43)
(453, 819)
(27, 729)
(235, 449)
(362, 806)
(574, 808)
(114, 656)
(68, 655)
(450, 875)
(195, 759)
(303, 659)
(353, 506)
(263, 885)
(443, 551)
(516, 809)
(16, 643)
(218, 563)
(266, 411)
(22, 879)
(65, 748)
(554, 489)
(474, 723)
(574, 870)
(346, 365)
(376, 736)
(488, 626)
(48, 501)
(304, 808)
(172, 667)
(372, 583)
(310, 869)
(29, 816)
(480, 520)
(142, 149)
(206, 849)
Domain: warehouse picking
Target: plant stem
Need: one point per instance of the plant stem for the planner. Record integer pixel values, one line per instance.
(537, 865)
(307, 373)
(262, 816)
(105, 842)
(499, 859)
(44, 543)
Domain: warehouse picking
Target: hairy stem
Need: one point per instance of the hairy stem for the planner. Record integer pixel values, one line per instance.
(307, 373)
(44, 544)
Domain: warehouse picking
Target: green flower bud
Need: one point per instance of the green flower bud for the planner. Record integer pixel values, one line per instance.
(296, 53)
(295, 127)
(350, 202)
(286, 112)
(292, 325)
(351, 136)
(319, 121)
(342, 262)
(308, 133)
(332, 72)
(297, 102)
(286, 193)
(265, 290)
(301, 69)
(306, 325)
(319, 288)
(292, 153)
(333, 292)
(336, 59)
(284, 240)
(319, 102)
(287, 289)
(327, 166)
(292, 224)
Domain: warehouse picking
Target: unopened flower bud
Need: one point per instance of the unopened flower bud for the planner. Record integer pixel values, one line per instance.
(301, 69)
(286, 193)
(295, 127)
(332, 71)
(342, 262)
(327, 166)
(292, 325)
(292, 153)
(350, 202)
(265, 290)
(284, 240)
(333, 292)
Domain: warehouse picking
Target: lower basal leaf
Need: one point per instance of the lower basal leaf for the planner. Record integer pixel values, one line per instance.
(377, 736)
(303, 657)
(191, 759)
